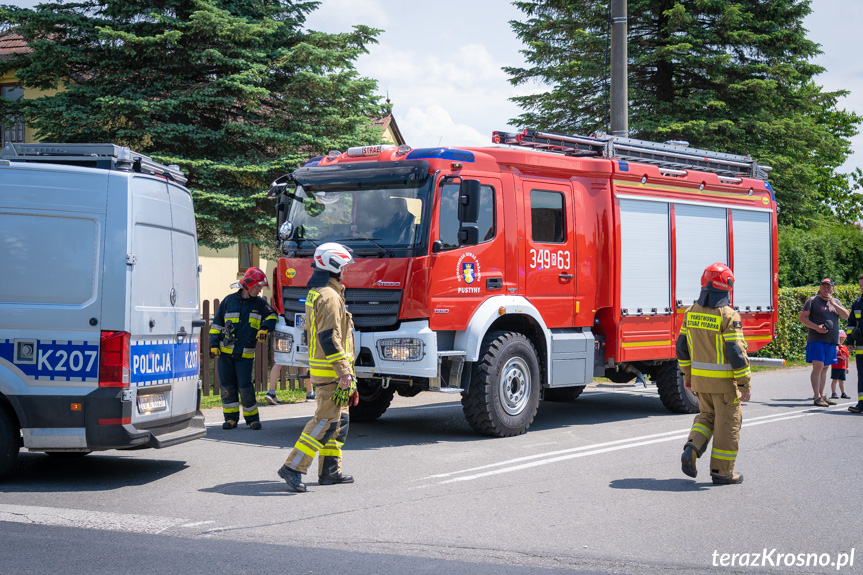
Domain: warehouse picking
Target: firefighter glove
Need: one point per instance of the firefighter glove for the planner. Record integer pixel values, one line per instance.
(355, 398)
(215, 351)
(262, 335)
(341, 397)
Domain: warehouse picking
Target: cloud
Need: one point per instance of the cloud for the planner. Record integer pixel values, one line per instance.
(432, 126)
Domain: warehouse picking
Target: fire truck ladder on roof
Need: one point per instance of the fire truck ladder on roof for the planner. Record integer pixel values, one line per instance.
(669, 155)
(105, 156)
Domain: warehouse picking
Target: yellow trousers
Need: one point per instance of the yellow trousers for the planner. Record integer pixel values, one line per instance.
(324, 435)
(720, 419)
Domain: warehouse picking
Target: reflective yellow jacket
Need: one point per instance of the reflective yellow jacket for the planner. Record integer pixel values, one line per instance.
(330, 333)
(711, 350)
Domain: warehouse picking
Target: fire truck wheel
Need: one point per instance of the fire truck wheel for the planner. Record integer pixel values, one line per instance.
(669, 382)
(10, 439)
(374, 400)
(504, 388)
(562, 393)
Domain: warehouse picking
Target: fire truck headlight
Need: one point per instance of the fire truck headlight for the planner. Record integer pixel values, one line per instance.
(401, 349)
(282, 342)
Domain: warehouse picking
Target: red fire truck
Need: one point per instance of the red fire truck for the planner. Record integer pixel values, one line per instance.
(521, 271)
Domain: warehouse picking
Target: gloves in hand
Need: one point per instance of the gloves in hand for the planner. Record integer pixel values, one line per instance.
(215, 351)
(262, 335)
(355, 398)
(342, 397)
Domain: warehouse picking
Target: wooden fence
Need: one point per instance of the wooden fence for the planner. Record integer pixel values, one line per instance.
(263, 359)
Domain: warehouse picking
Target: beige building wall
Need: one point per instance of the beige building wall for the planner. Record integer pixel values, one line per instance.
(219, 269)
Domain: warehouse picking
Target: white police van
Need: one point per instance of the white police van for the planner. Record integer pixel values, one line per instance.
(99, 302)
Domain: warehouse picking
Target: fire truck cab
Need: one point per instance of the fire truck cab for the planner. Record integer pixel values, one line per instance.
(520, 272)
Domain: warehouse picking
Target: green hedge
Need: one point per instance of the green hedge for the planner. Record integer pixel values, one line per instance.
(790, 341)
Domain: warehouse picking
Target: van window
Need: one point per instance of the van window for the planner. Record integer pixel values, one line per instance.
(546, 217)
(449, 223)
(64, 250)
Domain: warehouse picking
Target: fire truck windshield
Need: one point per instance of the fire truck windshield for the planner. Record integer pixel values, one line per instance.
(383, 218)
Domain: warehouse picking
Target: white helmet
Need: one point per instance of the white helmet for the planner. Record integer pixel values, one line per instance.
(332, 257)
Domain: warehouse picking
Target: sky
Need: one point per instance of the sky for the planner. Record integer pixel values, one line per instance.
(441, 65)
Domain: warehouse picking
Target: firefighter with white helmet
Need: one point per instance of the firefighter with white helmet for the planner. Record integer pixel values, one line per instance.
(329, 329)
(242, 320)
(711, 353)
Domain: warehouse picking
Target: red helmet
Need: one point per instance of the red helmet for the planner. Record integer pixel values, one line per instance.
(719, 275)
(254, 277)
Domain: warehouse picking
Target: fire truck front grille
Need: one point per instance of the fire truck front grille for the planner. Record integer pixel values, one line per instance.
(371, 308)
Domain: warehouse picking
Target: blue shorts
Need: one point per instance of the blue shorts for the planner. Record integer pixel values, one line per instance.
(820, 351)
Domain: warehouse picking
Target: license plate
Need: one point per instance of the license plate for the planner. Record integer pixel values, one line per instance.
(300, 320)
(152, 402)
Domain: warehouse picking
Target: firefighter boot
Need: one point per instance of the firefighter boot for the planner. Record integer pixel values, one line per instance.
(857, 408)
(331, 475)
(732, 479)
(294, 479)
(229, 424)
(687, 460)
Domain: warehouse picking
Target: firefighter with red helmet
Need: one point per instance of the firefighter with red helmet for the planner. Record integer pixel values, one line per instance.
(329, 329)
(242, 320)
(711, 353)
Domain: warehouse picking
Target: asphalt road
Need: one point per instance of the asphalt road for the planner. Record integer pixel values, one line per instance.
(594, 487)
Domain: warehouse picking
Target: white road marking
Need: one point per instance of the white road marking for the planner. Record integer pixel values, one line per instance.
(197, 523)
(84, 519)
(526, 462)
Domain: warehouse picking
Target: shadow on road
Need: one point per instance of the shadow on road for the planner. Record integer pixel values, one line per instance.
(37, 472)
(250, 488)
(445, 422)
(650, 484)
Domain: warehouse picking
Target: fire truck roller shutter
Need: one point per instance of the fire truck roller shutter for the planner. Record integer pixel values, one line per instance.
(645, 277)
(701, 239)
(753, 268)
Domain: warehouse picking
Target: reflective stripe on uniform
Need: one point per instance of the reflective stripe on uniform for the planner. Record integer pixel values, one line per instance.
(742, 372)
(333, 448)
(254, 411)
(723, 454)
(232, 317)
(307, 444)
(712, 369)
(703, 430)
(248, 352)
(684, 362)
(231, 407)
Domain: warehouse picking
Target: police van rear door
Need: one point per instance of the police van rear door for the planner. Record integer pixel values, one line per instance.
(163, 301)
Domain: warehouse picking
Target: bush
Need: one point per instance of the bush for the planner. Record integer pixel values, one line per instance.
(790, 340)
(807, 256)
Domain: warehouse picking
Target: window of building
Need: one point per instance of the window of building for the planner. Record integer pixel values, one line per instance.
(12, 129)
(449, 223)
(249, 257)
(546, 217)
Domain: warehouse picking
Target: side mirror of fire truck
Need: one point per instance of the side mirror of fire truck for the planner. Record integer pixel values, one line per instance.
(468, 201)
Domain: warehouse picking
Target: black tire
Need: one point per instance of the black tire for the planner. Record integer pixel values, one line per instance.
(10, 439)
(374, 400)
(669, 381)
(504, 388)
(562, 393)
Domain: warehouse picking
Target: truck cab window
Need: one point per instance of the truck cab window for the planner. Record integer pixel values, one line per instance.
(546, 217)
(449, 223)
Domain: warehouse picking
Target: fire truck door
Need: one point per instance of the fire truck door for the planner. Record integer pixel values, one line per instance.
(549, 250)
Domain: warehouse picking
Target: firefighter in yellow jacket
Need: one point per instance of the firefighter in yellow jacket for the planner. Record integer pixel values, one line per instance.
(711, 353)
(329, 329)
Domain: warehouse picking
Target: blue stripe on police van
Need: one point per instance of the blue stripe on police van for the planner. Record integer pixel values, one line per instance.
(162, 361)
(71, 361)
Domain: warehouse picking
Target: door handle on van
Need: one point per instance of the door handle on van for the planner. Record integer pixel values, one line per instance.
(565, 276)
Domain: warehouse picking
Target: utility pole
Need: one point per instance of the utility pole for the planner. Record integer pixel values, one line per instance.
(619, 72)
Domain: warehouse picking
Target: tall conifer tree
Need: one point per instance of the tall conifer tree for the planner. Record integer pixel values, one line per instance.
(728, 75)
(237, 92)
